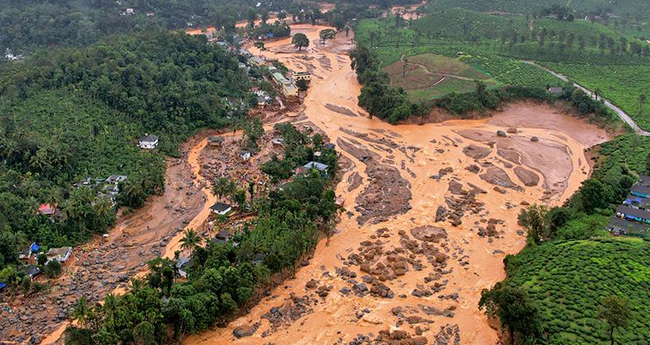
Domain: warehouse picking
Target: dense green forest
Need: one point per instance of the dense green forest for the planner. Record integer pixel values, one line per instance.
(223, 276)
(33, 24)
(29, 24)
(570, 268)
(72, 114)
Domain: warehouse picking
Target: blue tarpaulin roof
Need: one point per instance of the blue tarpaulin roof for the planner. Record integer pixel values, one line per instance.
(2, 286)
(34, 247)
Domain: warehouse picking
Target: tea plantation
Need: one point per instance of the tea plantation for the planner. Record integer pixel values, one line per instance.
(568, 280)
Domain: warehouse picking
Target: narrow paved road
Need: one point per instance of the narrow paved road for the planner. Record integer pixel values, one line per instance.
(623, 115)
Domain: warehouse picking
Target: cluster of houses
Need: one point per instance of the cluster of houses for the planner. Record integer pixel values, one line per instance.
(633, 216)
(107, 188)
(30, 255)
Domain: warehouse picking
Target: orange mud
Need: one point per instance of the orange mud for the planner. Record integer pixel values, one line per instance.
(209, 30)
(420, 151)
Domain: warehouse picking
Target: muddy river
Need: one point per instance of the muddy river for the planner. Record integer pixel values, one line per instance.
(430, 213)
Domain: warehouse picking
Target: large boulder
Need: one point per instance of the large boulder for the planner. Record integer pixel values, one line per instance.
(243, 331)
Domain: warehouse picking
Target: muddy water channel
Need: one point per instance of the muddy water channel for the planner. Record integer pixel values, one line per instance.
(430, 214)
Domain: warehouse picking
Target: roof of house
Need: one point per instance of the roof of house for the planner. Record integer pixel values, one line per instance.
(330, 146)
(220, 207)
(34, 247)
(184, 262)
(223, 234)
(555, 90)
(634, 212)
(215, 139)
(2, 286)
(58, 252)
(149, 138)
(31, 270)
(636, 201)
(279, 77)
(47, 209)
(289, 86)
(116, 178)
(622, 224)
(316, 165)
(641, 189)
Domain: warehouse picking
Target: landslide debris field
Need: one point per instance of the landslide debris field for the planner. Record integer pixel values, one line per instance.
(106, 265)
(430, 213)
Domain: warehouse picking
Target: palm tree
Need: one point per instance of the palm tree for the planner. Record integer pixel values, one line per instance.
(190, 240)
(103, 208)
(111, 305)
(597, 94)
(81, 311)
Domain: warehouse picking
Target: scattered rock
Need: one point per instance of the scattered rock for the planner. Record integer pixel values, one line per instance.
(243, 331)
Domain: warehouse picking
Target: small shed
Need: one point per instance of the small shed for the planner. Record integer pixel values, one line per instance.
(221, 208)
(556, 90)
(148, 142)
(278, 142)
(2, 286)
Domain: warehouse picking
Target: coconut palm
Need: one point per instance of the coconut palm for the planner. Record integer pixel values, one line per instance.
(190, 240)
(111, 305)
(81, 312)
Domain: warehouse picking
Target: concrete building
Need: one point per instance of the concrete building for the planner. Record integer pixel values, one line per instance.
(148, 142)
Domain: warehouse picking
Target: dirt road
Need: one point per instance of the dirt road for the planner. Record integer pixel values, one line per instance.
(104, 265)
(430, 214)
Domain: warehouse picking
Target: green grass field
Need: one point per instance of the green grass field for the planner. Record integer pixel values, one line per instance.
(568, 280)
(430, 76)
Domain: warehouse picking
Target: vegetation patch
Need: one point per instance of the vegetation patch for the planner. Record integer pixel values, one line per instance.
(568, 282)
(429, 76)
